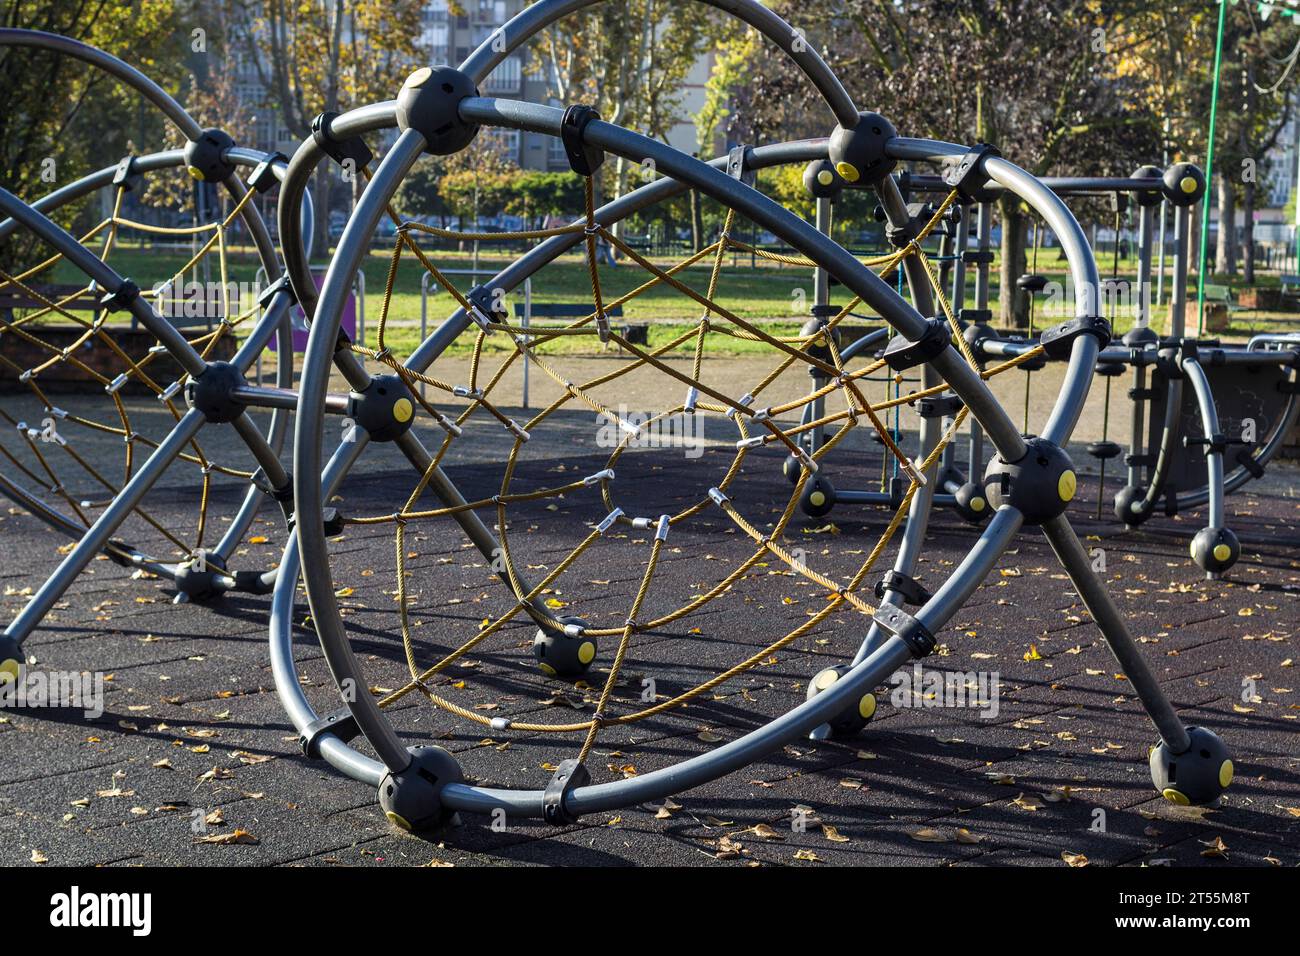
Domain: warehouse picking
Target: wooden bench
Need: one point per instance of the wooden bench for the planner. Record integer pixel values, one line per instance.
(638, 333)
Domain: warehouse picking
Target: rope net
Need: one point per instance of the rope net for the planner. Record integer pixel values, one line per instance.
(73, 343)
(753, 424)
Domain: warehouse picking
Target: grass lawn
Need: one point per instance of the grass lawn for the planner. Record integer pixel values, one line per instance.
(774, 296)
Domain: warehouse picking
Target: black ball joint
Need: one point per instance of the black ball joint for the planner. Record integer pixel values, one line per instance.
(385, 410)
(412, 798)
(853, 718)
(859, 153)
(1184, 184)
(1040, 485)
(205, 157)
(429, 103)
(212, 392)
(1215, 550)
(1197, 776)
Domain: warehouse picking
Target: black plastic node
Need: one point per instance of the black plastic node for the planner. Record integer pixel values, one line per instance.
(853, 718)
(1155, 195)
(858, 154)
(211, 392)
(1184, 184)
(429, 103)
(821, 180)
(205, 157)
(412, 799)
(1197, 776)
(385, 410)
(559, 655)
(1040, 485)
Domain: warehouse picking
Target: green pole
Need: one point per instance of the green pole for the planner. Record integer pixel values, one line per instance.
(1209, 174)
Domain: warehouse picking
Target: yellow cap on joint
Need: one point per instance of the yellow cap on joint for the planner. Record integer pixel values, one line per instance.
(9, 670)
(1222, 552)
(818, 498)
(586, 652)
(397, 820)
(1225, 773)
(826, 177)
(195, 172)
(825, 679)
(546, 668)
(977, 504)
(867, 706)
(402, 410)
(1066, 485)
(1188, 184)
(419, 77)
(848, 171)
(1173, 796)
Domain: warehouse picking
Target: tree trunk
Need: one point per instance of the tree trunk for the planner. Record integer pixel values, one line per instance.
(324, 187)
(1248, 232)
(1014, 301)
(1225, 254)
(697, 222)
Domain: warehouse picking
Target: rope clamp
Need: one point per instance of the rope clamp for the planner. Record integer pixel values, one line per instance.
(805, 459)
(573, 630)
(25, 377)
(605, 475)
(692, 396)
(464, 391)
(602, 326)
(909, 466)
(514, 428)
(168, 393)
(755, 441)
(642, 524)
(500, 723)
(745, 401)
(608, 523)
(114, 386)
(661, 533)
(717, 497)
(56, 411)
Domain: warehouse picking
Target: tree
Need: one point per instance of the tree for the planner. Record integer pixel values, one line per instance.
(63, 119)
(326, 58)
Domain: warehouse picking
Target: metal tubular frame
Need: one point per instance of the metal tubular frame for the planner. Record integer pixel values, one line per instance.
(872, 666)
(272, 321)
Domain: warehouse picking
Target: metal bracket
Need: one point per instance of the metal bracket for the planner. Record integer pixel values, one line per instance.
(584, 159)
(340, 724)
(904, 584)
(901, 353)
(1059, 339)
(896, 621)
(262, 178)
(340, 150)
(570, 775)
(939, 406)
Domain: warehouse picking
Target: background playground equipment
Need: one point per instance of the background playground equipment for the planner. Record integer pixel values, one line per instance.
(440, 111)
(209, 385)
(1188, 394)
